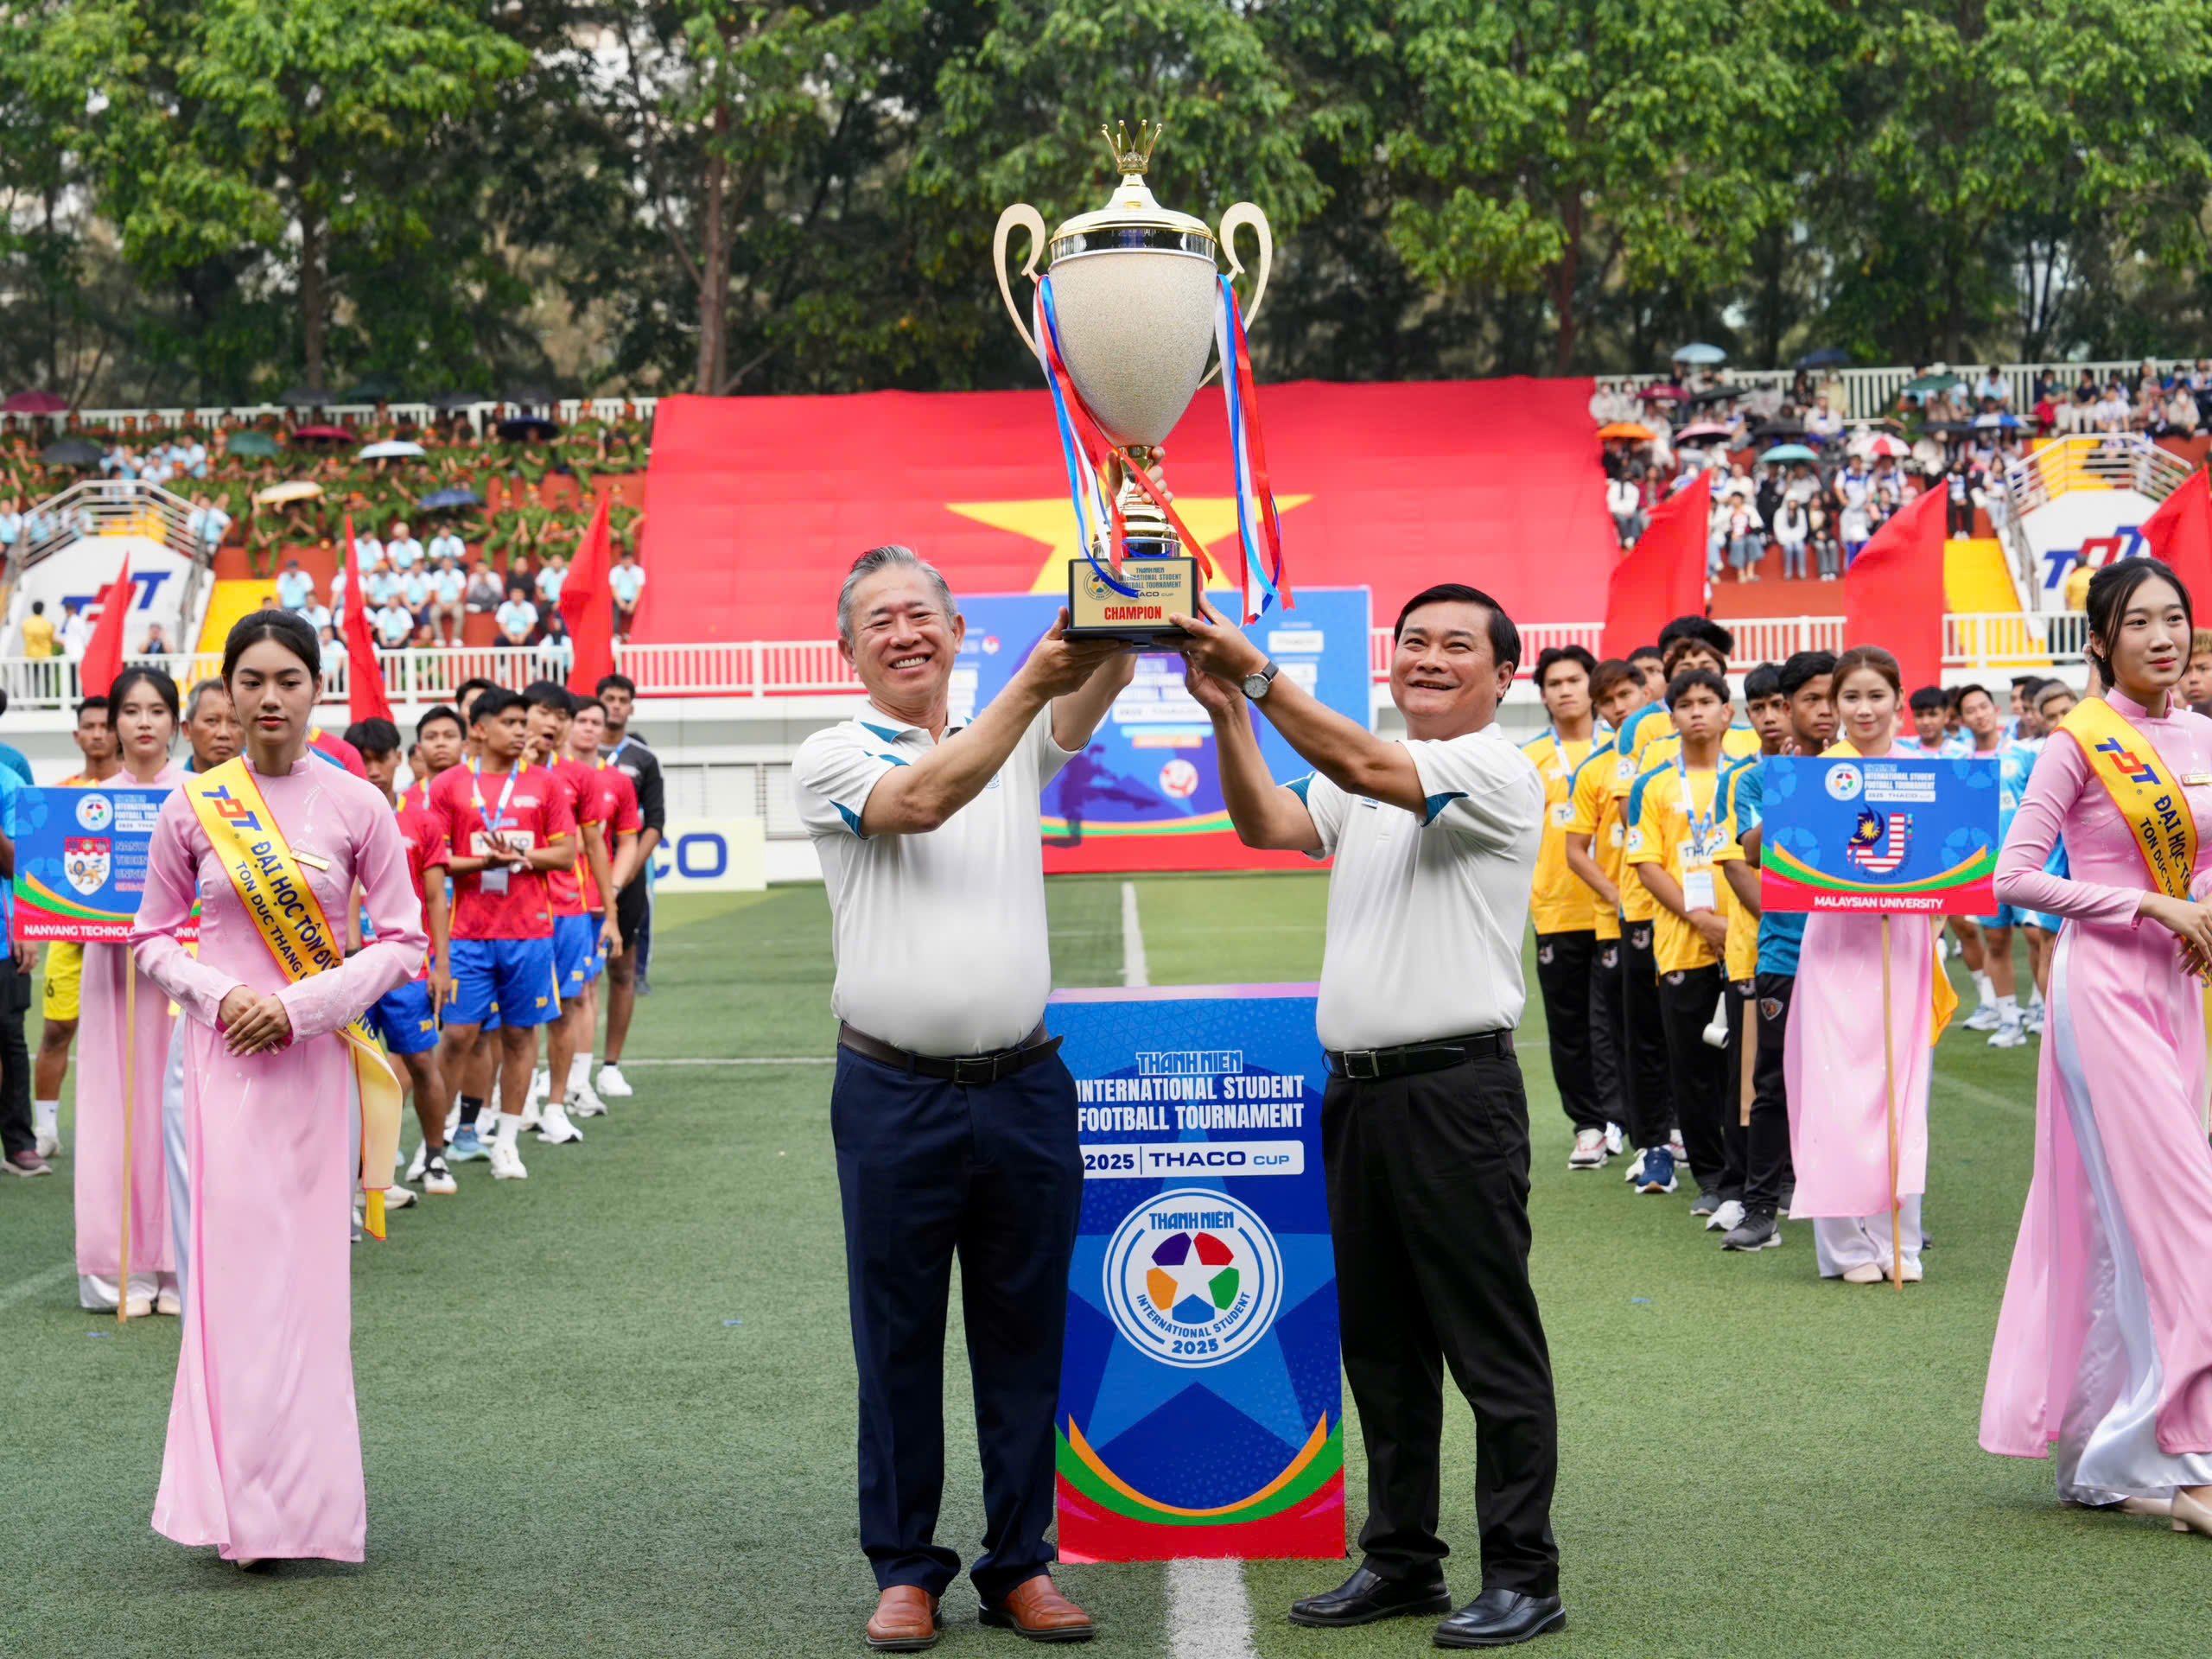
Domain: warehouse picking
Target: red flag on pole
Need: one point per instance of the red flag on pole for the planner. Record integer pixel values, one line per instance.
(365, 694)
(2180, 532)
(1893, 593)
(1663, 577)
(587, 605)
(103, 651)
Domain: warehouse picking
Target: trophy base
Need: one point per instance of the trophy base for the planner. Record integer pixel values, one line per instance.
(1165, 586)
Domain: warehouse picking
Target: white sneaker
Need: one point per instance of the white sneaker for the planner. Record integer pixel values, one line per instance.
(2031, 1017)
(585, 1100)
(2009, 1035)
(1727, 1219)
(1636, 1168)
(139, 1307)
(531, 1116)
(506, 1163)
(50, 1146)
(613, 1084)
(1985, 1017)
(1615, 1138)
(421, 1160)
(438, 1180)
(1589, 1150)
(396, 1197)
(1681, 1153)
(556, 1129)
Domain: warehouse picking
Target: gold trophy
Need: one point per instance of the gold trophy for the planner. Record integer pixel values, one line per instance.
(1134, 292)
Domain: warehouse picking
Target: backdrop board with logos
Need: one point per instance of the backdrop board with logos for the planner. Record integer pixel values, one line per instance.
(711, 855)
(1201, 1409)
(1145, 794)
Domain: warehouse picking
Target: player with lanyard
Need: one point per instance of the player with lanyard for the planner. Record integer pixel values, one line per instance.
(477, 1077)
(508, 824)
(65, 959)
(575, 940)
(619, 819)
(406, 1018)
(626, 974)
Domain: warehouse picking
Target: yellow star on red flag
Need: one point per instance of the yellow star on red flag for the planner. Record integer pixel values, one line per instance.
(1050, 520)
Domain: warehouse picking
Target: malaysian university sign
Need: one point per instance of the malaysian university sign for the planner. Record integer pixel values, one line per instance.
(1839, 833)
(1201, 1411)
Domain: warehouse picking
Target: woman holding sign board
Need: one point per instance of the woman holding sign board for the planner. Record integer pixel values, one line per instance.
(263, 1457)
(1852, 1179)
(143, 706)
(2104, 1342)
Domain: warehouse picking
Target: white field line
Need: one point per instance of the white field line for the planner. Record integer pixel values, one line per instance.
(742, 1059)
(23, 1290)
(1135, 972)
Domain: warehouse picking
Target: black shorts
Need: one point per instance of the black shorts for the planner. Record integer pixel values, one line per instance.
(633, 913)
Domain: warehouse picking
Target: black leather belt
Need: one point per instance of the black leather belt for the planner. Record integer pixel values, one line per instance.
(1374, 1065)
(965, 1069)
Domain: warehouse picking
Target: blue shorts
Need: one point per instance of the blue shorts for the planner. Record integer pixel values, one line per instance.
(404, 1019)
(515, 976)
(575, 941)
(2007, 917)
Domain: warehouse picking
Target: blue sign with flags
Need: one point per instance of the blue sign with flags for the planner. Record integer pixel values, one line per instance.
(1917, 833)
(1201, 1412)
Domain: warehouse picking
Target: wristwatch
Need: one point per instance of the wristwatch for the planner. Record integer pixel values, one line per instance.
(1255, 685)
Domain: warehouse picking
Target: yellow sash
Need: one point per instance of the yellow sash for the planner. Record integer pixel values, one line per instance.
(246, 835)
(1943, 1002)
(2143, 787)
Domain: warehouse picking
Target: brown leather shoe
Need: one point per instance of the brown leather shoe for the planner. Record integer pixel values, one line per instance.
(905, 1620)
(1036, 1609)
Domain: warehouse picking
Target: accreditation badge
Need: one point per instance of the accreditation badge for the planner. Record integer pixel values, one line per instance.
(1697, 889)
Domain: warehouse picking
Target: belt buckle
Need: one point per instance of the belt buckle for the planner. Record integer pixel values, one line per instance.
(970, 1070)
(1355, 1059)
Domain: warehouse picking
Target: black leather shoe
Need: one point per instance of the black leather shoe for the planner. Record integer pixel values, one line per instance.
(1367, 1596)
(1498, 1618)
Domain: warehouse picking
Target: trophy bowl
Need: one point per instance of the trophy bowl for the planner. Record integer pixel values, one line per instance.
(1135, 292)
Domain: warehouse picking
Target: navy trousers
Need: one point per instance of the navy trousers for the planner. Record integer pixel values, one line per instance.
(929, 1170)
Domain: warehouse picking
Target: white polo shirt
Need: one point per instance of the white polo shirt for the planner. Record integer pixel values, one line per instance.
(940, 938)
(1425, 914)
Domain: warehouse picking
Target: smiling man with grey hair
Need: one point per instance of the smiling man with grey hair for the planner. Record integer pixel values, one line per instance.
(953, 1116)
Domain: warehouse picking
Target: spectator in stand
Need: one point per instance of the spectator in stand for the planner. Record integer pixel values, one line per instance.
(483, 594)
(156, 642)
(380, 586)
(556, 651)
(1746, 533)
(295, 587)
(2178, 416)
(1623, 499)
(394, 623)
(2110, 412)
(448, 586)
(334, 652)
(2197, 679)
(627, 579)
(206, 524)
(1959, 510)
(1793, 530)
(317, 614)
(38, 631)
(2046, 408)
(401, 549)
(414, 594)
(192, 456)
(1993, 389)
(551, 575)
(368, 551)
(517, 618)
(76, 633)
(11, 526)
(446, 545)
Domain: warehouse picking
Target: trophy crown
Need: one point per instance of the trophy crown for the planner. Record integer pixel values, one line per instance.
(1133, 159)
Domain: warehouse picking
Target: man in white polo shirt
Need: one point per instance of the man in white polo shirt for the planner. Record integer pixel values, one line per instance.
(1424, 1126)
(953, 1116)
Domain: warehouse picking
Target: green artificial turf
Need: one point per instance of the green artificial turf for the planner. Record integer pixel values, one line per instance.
(611, 1410)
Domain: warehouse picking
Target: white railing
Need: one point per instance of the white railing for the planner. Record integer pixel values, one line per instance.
(480, 415)
(103, 506)
(1873, 392)
(2092, 461)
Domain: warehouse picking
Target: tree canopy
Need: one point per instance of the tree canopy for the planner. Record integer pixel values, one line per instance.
(214, 201)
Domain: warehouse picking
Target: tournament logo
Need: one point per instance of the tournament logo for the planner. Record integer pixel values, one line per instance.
(1845, 782)
(95, 812)
(1544, 955)
(1193, 1277)
(85, 862)
(1609, 957)
(1769, 1007)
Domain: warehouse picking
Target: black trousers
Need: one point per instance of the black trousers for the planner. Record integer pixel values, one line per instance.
(17, 1133)
(994, 1174)
(1606, 1037)
(1644, 1066)
(1564, 961)
(1686, 1002)
(1428, 1203)
(1766, 1158)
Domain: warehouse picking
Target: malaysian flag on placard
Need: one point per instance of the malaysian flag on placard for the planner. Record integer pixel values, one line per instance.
(1879, 842)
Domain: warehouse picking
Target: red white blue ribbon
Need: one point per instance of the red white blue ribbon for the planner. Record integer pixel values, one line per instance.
(1258, 526)
(1097, 518)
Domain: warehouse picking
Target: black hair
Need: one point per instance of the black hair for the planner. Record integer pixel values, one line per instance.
(2035, 697)
(1704, 630)
(1505, 637)
(1961, 693)
(441, 711)
(1691, 679)
(1927, 698)
(1552, 656)
(1801, 668)
(286, 628)
(618, 683)
(474, 684)
(143, 674)
(2026, 681)
(494, 702)
(2110, 590)
(90, 704)
(583, 703)
(548, 694)
(1609, 674)
(1642, 652)
(1762, 683)
(373, 736)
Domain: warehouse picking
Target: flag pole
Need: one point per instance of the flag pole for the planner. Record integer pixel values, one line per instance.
(1889, 1102)
(130, 1057)
(1750, 1040)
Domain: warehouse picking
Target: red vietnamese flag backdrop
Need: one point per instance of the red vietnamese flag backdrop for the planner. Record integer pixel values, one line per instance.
(1893, 591)
(2180, 532)
(1663, 576)
(755, 507)
(365, 698)
(588, 607)
(104, 650)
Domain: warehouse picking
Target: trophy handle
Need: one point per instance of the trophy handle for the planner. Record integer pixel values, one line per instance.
(1246, 213)
(1023, 215)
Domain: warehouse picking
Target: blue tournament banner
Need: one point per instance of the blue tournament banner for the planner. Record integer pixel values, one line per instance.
(1839, 833)
(80, 860)
(1146, 794)
(1201, 1409)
